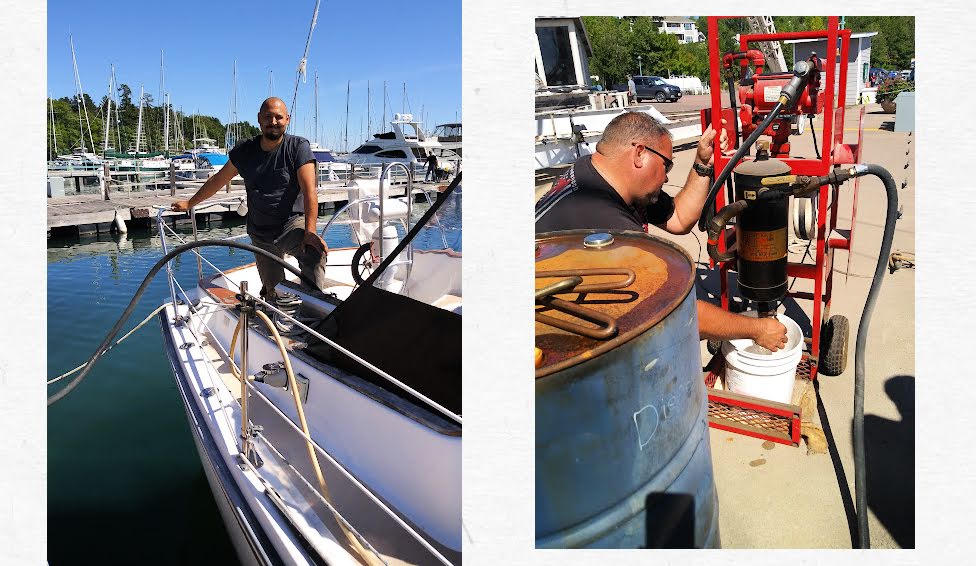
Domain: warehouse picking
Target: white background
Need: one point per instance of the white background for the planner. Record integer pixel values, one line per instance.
(498, 83)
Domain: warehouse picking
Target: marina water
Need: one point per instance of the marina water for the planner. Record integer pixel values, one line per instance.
(125, 483)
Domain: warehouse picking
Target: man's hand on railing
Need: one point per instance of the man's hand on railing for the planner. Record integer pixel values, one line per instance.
(181, 206)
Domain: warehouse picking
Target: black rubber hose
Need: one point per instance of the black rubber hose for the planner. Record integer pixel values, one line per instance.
(814, 134)
(145, 285)
(720, 180)
(735, 108)
(860, 473)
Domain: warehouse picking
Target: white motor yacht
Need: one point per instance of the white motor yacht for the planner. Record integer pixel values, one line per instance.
(406, 143)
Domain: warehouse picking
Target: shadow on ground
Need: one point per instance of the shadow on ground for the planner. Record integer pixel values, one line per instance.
(890, 463)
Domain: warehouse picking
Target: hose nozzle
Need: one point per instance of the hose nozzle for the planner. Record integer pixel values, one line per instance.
(801, 74)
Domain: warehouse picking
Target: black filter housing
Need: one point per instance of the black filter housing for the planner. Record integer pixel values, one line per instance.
(761, 232)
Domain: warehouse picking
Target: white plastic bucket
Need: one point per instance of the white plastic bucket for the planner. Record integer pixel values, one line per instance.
(767, 376)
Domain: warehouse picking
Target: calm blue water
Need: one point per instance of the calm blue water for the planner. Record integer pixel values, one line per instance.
(125, 484)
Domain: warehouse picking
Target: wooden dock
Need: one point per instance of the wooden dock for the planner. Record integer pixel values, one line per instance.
(88, 211)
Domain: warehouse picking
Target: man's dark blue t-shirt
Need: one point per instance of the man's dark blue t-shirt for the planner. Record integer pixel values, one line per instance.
(271, 180)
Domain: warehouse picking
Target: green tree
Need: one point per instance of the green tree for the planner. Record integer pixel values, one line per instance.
(609, 60)
(894, 46)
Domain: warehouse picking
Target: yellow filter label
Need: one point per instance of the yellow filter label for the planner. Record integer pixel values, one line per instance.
(762, 246)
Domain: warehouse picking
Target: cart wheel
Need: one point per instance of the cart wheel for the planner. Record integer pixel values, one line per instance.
(362, 264)
(713, 346)
(833, 350)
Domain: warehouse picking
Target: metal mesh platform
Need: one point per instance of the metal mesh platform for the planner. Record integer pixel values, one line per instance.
(752, 416)
(749, 418)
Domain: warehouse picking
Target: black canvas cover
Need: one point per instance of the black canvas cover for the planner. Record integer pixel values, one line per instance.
(414, 342)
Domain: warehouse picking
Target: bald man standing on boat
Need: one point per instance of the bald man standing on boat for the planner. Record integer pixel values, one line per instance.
(282, 201)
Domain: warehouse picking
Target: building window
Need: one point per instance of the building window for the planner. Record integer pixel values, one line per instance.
(689, 26)
(680, 37)
(674, 25)
(557, 55)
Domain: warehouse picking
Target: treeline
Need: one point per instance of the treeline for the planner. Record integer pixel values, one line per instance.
(632, 43)
(72, 129)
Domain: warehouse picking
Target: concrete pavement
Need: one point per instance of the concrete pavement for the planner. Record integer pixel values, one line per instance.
(776, 496)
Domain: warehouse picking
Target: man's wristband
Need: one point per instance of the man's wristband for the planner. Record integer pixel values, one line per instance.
(703, 170)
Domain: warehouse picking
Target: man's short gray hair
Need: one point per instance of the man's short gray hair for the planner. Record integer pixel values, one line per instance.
(631, 127)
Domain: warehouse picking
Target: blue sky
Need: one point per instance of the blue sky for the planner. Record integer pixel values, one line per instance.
(417, 42)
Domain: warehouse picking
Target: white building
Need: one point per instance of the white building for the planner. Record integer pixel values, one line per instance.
(858, 62)
(684, 28)
(563, 52)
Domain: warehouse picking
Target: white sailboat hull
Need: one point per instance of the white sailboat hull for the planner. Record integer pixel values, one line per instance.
(410, 459)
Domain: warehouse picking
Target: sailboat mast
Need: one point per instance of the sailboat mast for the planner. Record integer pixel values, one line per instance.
(270, 83)
(345, 143)
(384, 107)
(369, 116)
(108, 117)
(81, 97)
(164, 97)
(115, 93)
(301, 65)
(139, 123)
(166, 126)
(162, 79)
(316, 136)
(230, 136)
(54, 128)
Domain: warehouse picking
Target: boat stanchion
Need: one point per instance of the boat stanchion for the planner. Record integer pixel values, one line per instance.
(248, 431)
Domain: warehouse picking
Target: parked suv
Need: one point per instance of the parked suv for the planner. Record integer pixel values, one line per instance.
(656, 88)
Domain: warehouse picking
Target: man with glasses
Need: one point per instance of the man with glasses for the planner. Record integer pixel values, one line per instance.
(619, 188)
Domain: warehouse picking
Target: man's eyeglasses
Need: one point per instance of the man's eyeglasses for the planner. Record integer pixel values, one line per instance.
(668, 164)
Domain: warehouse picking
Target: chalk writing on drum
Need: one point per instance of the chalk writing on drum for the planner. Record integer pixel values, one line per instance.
(648, 419)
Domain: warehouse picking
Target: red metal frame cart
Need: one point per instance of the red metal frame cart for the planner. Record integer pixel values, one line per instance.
(759, 417)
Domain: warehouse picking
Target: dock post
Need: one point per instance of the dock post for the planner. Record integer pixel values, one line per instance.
(106, 179)
(172, 179)
(77, 183)
(228, 186)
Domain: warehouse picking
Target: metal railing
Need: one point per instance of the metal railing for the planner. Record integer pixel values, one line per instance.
(162, 228)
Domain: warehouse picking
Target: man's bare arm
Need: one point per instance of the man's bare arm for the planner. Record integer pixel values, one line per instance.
(690, 200)
(306, 180)
(688, 203)
(715, 323)
(209, 188)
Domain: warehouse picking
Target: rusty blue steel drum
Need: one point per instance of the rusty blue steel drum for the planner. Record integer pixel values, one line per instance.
(622, 458)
